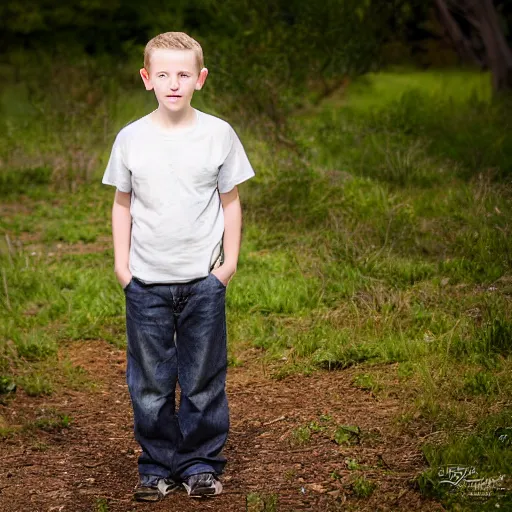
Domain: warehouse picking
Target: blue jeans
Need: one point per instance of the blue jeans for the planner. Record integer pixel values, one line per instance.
(189, 441)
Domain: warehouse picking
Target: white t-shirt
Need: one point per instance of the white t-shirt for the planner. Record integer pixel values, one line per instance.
(175, 180)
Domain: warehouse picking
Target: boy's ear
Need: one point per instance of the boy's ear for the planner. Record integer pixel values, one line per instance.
(201, 79)
(145, 78)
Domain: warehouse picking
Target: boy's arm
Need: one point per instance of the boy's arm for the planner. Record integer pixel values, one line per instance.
(121, 233)
(232, 234)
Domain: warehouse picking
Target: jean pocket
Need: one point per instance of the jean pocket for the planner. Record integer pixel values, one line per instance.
(218, 280)
(128, 285)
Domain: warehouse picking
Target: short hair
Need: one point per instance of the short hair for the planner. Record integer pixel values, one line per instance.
(173, 41)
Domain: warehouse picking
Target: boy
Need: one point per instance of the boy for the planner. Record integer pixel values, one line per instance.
(176, 224)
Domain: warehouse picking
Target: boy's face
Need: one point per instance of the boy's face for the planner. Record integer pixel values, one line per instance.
(174, 76)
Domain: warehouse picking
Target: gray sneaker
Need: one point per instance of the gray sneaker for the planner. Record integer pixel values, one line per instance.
(202, 485)
(145, 492)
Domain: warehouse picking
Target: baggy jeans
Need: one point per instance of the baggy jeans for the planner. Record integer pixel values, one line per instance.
(189, 441)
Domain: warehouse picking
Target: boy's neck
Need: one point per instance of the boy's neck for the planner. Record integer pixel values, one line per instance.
(174, 121)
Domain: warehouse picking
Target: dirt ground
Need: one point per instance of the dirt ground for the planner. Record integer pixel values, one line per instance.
(91, 464)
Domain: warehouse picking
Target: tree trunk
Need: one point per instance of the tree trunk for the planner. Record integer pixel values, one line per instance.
(496, 46)
(483, 17)
(459, 40)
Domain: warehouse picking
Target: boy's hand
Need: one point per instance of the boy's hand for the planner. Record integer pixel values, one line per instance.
(124, 278)
(224, 273)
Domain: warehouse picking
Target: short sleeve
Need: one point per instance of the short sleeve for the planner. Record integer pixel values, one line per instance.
(116, 173)
(236, 167)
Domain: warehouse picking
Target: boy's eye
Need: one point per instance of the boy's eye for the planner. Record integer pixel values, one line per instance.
(162, 75)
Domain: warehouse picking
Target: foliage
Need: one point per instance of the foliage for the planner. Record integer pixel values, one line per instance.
(480, 456)
(362, 487)
(266, 59)
(347, 434)
(300, 436)
(261, 502)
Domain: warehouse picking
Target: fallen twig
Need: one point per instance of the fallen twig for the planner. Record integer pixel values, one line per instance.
(281, 418)
(95, 465)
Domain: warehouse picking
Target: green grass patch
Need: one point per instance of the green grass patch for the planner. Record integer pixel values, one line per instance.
(261, 502)
(52, 421)
(18, 181)
(472, 469)
(347, 435)
(362, 487)
(36, 384)
(300, 436)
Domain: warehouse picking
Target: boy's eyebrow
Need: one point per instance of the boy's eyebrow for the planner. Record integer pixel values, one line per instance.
(180, 71)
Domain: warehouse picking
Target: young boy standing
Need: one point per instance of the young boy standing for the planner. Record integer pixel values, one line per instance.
(176, 223)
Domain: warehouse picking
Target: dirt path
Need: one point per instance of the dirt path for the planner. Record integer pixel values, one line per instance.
(91, 466)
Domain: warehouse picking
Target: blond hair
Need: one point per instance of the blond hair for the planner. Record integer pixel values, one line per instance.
(173, 41)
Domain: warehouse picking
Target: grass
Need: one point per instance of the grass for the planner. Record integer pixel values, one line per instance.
(48, 420)
(481, 454)
(347, 434)
(261, 502)
(366, 382)
(300, 436)
(340, 434)
(52, 421)
(362, 487)
(385, 240)
(101, 505)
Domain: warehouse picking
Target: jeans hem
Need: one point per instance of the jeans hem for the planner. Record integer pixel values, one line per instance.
(150, 479)
(195, 470)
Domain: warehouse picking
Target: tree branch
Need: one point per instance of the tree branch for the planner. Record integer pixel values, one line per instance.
(461, 43)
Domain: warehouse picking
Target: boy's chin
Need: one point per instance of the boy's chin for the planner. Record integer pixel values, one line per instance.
(178, 106)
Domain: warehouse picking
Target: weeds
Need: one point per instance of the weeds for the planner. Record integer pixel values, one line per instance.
(362, 487)
(261, 502)
(366, 382)
(36, 385)
(480, 383)
(481, 454)
(347, 434)
(300, 436)
(40, 446)
(352, 464)
(35, 346)
(102, 505)
(334, 475)
(52, 420)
